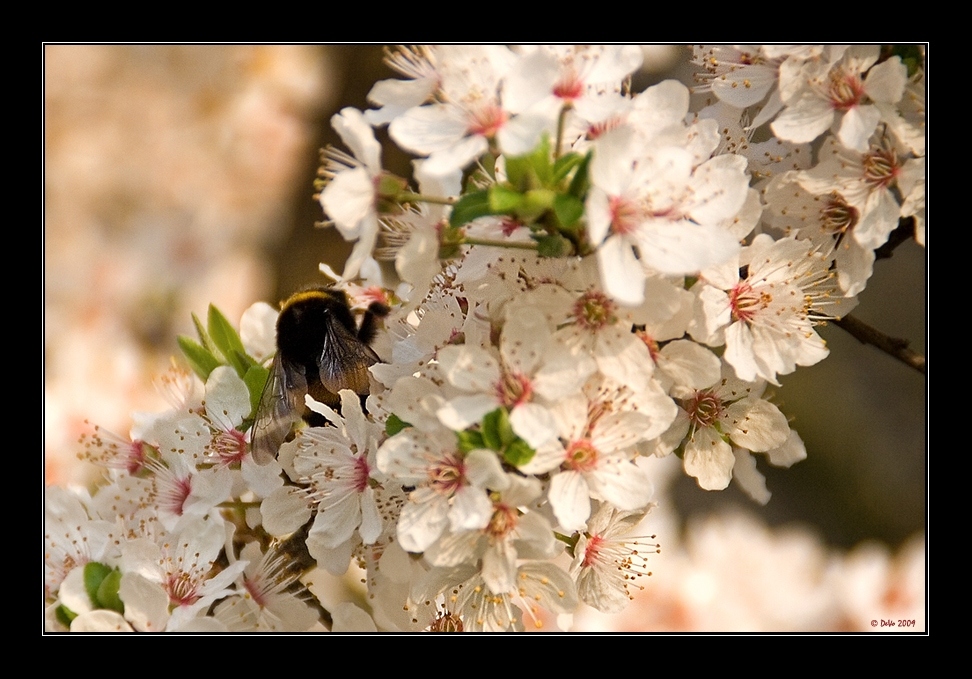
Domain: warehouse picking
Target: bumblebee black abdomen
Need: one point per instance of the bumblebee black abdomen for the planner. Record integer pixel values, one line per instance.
(320, 351)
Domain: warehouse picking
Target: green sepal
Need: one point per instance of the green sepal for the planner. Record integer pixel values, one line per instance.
(518, 453)
(94, 574)
(240, 362)
(533, 170)
(496, 429)
(469, 440)
(108, 592)
(470, 207)
(564, 164)
(204, 338)
(581, 181)
(553, 245)
(201, 360)
(395, 424)
(224, 336)
(569, 209)
(503, 200)
(65, 615)
(535, 203)
(255, 380)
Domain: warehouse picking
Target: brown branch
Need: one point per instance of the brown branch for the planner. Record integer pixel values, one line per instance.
(893, 346)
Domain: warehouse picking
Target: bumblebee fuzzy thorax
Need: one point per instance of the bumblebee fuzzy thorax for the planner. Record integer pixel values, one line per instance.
(305, 321)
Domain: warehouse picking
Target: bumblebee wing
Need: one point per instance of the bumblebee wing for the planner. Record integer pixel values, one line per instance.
(345, 361)
(281, 404)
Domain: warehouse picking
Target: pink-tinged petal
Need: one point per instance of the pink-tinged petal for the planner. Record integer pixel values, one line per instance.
(614, 156)
(690, 364)
(748, 477)
(570, 499)
(621, 272)
(709, 459)
(682, 248)
(469, 368)
(397, 96)
(427, 129)
(358, 136)
(100, 621)
(464, 411)
(337, 522)
(285, 511)
(623, 484)
(348, 199)
(499, 567)
(146, 602)
(757, 425)
(746, 86)
(471, 509)
(886, 82)
(792, 451)
(879, 220)
(421, 523)
(457, 156)
(804, 120)
(598, 211)
(534, 424)
(371, 523)
(739, 351)
(857, 127)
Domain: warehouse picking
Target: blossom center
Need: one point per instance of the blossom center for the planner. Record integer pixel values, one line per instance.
(594, 310)
(592, 550)
(625, 215)
(570, 87)
(880, 168)
(448, 475)
(845, 90)
(487, 120)
(746, 302)
(181, 587)
(230, 446)
(838, 216)
(513, 389)
(704, 409)
(581, 456)
(361, 474)
(503, 520)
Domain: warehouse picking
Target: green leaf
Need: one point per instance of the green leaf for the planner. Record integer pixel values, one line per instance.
(395, 424)
(504, 200)
(554, 245)
(494, 426)
(108, 592)
(470, 207)
(564, 164)
(201, 360)
(224, 335)
(469, 440)
(518, 453)
(533, 170)
(569, 209)
(581, 181)
(94, 574)
(255, 380)
(204, 338)
(64, 615)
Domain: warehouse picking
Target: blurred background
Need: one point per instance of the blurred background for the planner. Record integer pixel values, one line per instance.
(179, 176)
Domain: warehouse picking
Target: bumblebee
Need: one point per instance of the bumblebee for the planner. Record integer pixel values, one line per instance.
(320, 350)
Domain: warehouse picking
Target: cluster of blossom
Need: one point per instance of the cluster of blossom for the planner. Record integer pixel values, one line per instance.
(590, 278)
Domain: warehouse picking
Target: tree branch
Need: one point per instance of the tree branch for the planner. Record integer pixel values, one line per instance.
(893, 346)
